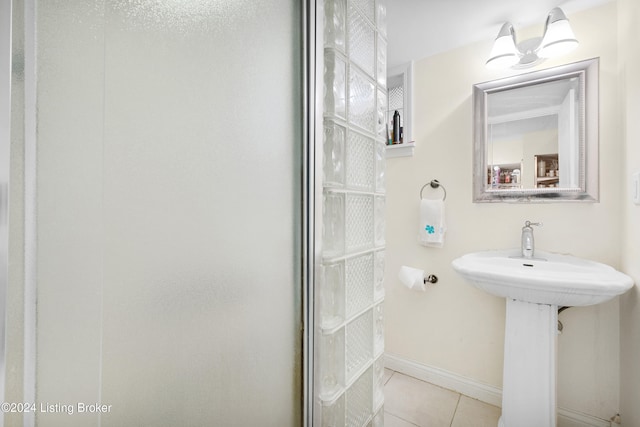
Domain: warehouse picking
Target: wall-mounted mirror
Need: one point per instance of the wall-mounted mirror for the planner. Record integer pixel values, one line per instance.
(536, 136)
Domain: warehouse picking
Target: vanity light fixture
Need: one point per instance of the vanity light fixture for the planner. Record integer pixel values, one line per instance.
(558, 39)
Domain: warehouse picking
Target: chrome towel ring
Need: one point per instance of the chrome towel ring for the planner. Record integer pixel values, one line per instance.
(434, 184)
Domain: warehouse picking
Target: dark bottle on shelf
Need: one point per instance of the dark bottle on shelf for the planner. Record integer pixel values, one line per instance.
(396, 127)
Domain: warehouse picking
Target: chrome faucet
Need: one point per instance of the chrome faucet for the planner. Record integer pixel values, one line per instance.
(528, 246)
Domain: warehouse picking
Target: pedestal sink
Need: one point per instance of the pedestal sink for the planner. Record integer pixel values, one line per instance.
(534, 289)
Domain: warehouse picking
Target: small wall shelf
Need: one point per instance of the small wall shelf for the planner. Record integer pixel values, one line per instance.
(400, 99)
(400, 150)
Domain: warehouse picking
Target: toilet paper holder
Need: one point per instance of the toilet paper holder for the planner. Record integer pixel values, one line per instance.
(415, 278)
(432, 278)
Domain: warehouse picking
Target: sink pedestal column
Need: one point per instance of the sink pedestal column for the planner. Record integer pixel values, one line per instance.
(529, 379)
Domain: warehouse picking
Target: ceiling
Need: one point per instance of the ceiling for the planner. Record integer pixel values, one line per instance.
(420, 28)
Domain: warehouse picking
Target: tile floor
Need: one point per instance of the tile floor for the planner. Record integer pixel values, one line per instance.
(409, 402)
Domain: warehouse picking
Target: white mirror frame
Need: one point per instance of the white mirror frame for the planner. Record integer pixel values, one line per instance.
(587, 72)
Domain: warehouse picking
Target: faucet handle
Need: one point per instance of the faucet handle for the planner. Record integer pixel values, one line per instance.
(529, 224)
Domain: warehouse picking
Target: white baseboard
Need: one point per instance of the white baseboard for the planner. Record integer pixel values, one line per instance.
(477, 390)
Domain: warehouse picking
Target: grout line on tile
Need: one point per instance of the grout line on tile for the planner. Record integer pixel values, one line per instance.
(392, 374)
(455, 411)
(400, 418)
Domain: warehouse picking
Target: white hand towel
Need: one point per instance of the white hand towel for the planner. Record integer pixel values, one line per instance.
(432, 224)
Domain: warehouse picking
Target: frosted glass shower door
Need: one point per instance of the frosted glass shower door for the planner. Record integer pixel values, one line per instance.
(169, 143)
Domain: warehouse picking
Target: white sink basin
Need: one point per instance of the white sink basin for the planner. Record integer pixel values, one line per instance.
(549, 278)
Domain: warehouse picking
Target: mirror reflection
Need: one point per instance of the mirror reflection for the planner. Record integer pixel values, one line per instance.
(533, 136)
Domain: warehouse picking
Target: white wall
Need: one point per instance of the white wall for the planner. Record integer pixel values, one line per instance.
(454, 326)
(629, 21)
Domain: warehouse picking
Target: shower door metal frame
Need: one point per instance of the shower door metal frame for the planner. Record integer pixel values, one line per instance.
(5, 143)
(311, 146)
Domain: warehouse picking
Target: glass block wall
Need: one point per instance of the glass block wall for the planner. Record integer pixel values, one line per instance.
(350, 292)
